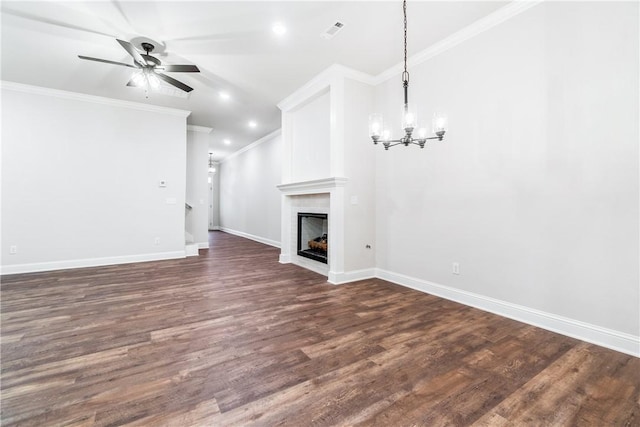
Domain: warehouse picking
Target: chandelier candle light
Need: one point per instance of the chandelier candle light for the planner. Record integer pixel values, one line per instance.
(409, 120)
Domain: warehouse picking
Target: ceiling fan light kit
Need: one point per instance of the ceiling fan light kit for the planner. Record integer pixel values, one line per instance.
(147, 74)
(379, 133)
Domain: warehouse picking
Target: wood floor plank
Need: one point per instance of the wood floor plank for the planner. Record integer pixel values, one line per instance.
(233, 338)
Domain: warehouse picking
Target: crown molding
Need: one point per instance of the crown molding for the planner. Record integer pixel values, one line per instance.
(324, 79)
(481, 25)
(44, 91)
(203, 129)
(322, 82)
(265, 138)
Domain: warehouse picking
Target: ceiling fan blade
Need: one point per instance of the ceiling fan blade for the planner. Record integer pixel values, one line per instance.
(174, 82)
(180, 68)
(133, 52)
(88, 58)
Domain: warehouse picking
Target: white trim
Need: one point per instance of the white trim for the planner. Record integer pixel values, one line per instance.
(191, 249)
(252, 145)
(203, 129)
(259, 239)
(284, 259)
(619, 341)
(44, 91)
(313, 186)
(308, 264)
(89, 262)
(481, 25)
(351, 276)
(350, 73)
(321, 82)
(203, 245)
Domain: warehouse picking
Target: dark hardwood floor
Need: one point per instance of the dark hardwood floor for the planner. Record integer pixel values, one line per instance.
(233, 338)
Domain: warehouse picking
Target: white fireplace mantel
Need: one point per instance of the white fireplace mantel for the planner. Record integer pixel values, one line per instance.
(312, 187)
(334, 188)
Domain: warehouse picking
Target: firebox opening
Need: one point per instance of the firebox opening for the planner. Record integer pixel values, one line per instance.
(313, 238)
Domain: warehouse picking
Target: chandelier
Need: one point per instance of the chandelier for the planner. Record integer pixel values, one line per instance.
(377, 130)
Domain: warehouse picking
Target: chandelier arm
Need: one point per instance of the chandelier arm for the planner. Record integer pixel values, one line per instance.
(397, 142)
(417, 142)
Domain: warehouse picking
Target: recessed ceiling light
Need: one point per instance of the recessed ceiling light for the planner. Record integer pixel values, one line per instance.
(227, 141)
(224, 95)
(252, 124)
(279, 29)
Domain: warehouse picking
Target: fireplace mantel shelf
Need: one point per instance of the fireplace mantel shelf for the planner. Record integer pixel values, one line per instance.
(313, 186)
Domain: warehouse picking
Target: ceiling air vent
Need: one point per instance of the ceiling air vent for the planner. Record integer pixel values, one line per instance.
(330, 32)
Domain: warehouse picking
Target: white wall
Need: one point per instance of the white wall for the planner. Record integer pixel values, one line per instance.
(197, 194)
(249, 199)
(214, 199)
(310, 149)
(359, 168)
(80, 180)
(535, 190)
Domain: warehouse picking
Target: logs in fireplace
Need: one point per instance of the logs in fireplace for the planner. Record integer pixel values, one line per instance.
(313, 240)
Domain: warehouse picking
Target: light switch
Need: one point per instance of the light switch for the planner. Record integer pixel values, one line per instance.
(354, 200)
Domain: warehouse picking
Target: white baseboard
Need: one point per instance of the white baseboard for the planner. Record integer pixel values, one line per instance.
(191, 249)
(89, 262)
(315, 266)
(351, 276)
(285, 259)
(203, 245)
(619, 341)
(251, 237)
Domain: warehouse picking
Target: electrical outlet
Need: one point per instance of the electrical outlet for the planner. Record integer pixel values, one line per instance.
(455, 268)
(156, 241)
(13, 249)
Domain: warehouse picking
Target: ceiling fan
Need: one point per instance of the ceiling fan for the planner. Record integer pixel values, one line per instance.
(148, 67)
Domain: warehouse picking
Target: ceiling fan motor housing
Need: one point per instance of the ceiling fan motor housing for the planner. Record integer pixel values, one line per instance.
(150, 60)
(148, 47)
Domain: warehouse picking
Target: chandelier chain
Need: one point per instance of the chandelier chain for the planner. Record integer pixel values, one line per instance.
(405, 74)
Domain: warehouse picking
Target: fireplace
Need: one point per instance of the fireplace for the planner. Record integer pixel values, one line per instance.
(313, 239)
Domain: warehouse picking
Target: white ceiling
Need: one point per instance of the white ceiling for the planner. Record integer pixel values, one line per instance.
(230, 41)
